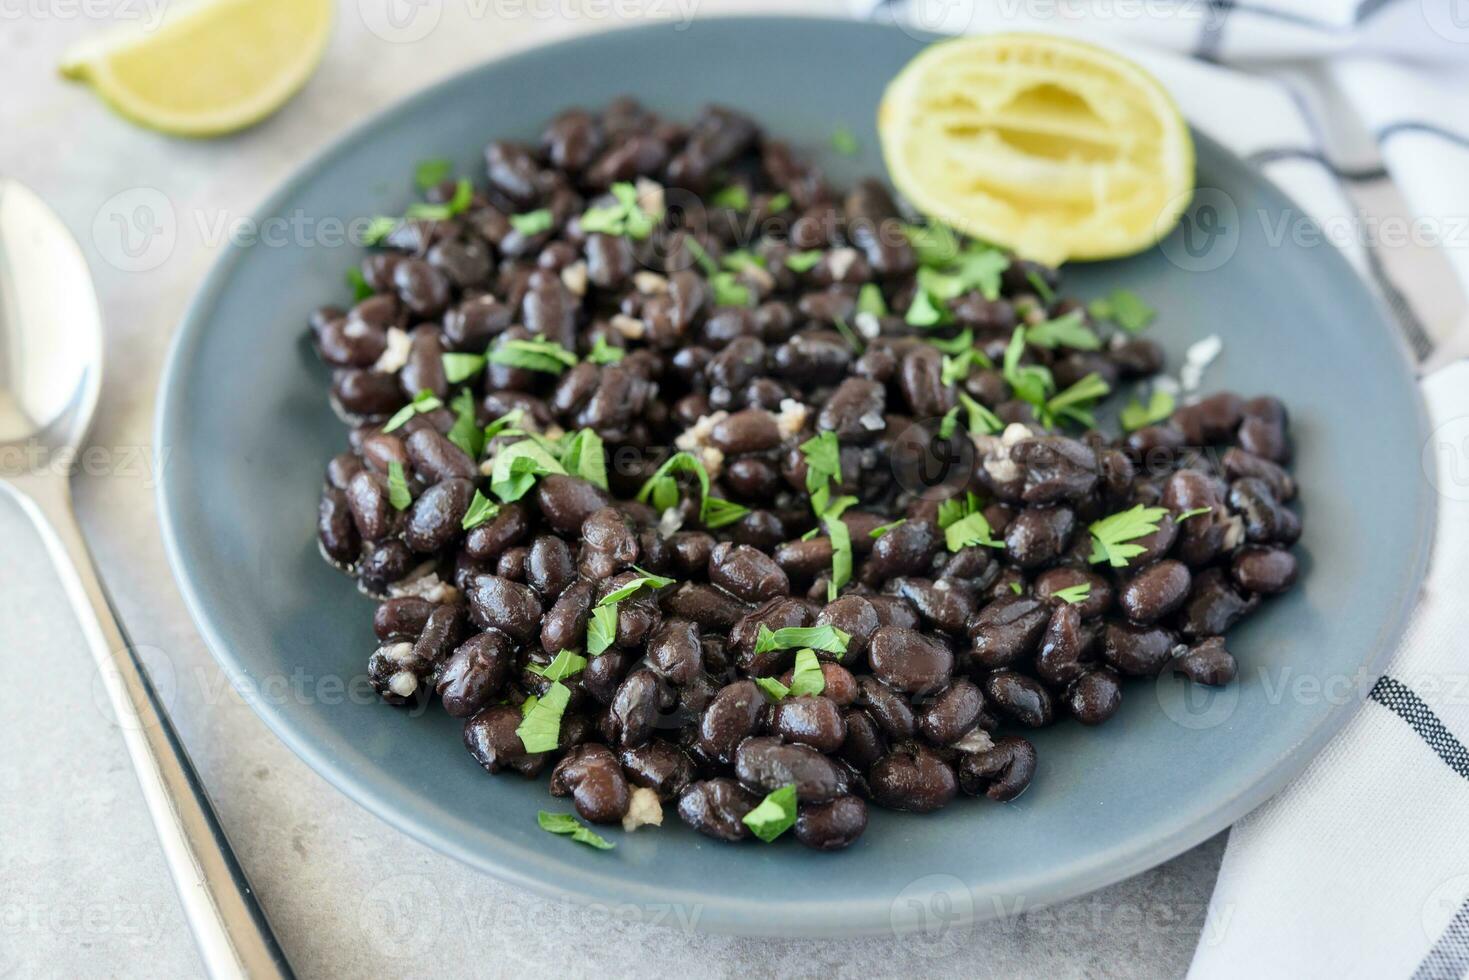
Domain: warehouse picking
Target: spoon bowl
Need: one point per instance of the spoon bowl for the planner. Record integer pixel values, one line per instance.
(50, 326)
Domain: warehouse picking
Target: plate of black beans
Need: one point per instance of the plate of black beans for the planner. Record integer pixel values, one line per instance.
(649, 508)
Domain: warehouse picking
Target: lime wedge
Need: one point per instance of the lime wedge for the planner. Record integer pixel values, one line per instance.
(213, 67)
(1051, 147)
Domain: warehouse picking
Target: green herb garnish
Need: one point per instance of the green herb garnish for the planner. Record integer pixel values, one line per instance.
(462, 367)
(1136, 415)
(604, 353)
(568, 826)
(1047, 295)
(922, 312)
(626, 217)
(360, 289)
(424, 401)
(518, 466)
(729, 291)
(981, 419)
(1076, 402)
(1124, 308)
(1111, 534)
(870, 300)
(1074, 594)
(645, 578)
(1194, 512)
(844, 141)
(807, 680)
(841, 556)
(584, 455)
(398, 494)
(734, 196)
(466, 433)
(772, 688)
(774, 816)
(481, 509)
(879, 531)
(431, 173)
(1069, 330)
(532, 222)
(540, 728)
(804, 261)
(826, 638)
(536, 354)
(948, 423)
(567, 663)
(661, 490)
(601, 629)
(379, 227)
(971, 529)
(463, 197)
(778, 203)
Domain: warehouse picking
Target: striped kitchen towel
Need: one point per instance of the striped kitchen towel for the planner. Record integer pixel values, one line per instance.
(1359, 110)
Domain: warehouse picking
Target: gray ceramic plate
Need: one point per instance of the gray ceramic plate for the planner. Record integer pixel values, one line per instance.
(244, 415)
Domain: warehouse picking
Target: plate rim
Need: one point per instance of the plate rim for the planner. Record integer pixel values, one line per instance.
(727, 914)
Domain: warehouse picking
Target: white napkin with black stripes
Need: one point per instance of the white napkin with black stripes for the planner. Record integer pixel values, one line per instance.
(1359, 110)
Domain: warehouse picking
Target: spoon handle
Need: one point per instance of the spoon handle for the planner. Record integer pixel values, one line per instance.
(229, 926)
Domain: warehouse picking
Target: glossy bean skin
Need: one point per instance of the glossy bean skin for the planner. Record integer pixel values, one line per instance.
(717, 808)
(475, 673)
(909, 661)
(1138, 651)
(747, 573)
(763, 765)
(1002, 772)
(491, 739)
(1207, 662)
(731, 717)
(1007, 630)
(593, 778)
(1155, 591)
(952, 713)
(660, 766)
(815, 721)
(1267, 571)
(913, 778)
(1094, 696)
(831, 826)
(1020, 698)
(504, 605)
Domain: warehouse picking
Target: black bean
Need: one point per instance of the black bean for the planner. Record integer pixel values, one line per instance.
(764, 764)
(747, 573)
(1094, 696)
(675, 652)
(1155, 591)
(1064, 647)
(1099, 594)
(730, 718)
(1213, 606)
(831, 826)
(1007, 630)
(367, 498)
(909, 661)
(887, 707)
(593, 778)
(335, 528)
(507, 528)
(504, 605)
(717, 808)
(1264, 570)
(1207, 662)
(854, 411)
(567, 501)
(435, 458)
(401, 618)
(814, 721)
(711, 608)
(490, 737)
(435, 519)
(633, 713)
(548, 566)
(913, 778)
(1039, 535)
(1057, 469)
(659, 766)
(952, 713)
(1019, 697)
(475, 673)
(1139, 651)
(1002, 772)
(907, 549)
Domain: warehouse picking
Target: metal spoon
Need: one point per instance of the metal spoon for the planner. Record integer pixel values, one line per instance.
(50, 372)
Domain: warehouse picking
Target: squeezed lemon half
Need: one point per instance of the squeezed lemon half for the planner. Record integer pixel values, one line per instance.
(1053, 148)
(213, 67)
